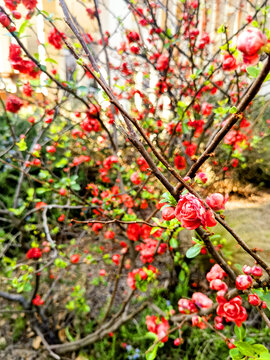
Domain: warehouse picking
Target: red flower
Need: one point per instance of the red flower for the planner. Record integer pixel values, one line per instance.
(218, 285)
(30, 4)
(55, 38)
(216, 201)
(243, 282)
(4, 20)
(34, 253)
(229, 63)
(74, 259)
(197, 321)
(116, 259)
(168, 213)
(256, 272)
(37, 301)
(249, 42)
(109, 235)
(190, 149)
(12, 4)
(135, 178)
(145, 231)
(201, 300)
(27, 89)
(180, 162)
(186, 306)
(133, 232)
(206, 108)
(13, 104)
(133, 36)
(254, 300)
(162, 62)
(233, 311)
(191, 213)
(216, 272)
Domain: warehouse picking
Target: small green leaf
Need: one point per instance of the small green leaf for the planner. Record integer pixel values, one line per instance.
(174, 243)
(193, 251)
(151, 355)
(22, 145)
(233, 110)
(253, 71)
(240, 332)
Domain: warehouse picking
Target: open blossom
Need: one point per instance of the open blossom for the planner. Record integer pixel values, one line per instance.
(13, 104)
(229, 63)
(133, 232)
(218, 285)
(162, 62)
(201, 300)
(148, 248)
(216, 272)
(254, 299)
(34, 253)
(30, 4)
(233, 310)
(12, 4)
(180, 162)
(37, 301)
(256, 272)
(55, 38)
(186, 306)
(168, 213)
(216, 201)
(192, 214)
(198, 322)
(243, 282)
(133, 36)
(159, 327)
(249, 42)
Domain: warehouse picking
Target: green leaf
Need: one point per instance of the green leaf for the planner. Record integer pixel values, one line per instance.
(221, 29)
(151, 355)
(22, 145)
(154, 229)
(260, 349)
(235, 353)
(233, 110)
(174, 243)
(246, 349)
(23, 27)
(240, 332)
(265, 356)
(253, 71)
(168, 198)
(193, 251)
(50, 60)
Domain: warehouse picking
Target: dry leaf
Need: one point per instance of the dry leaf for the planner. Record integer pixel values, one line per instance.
(36, 342)
(62, 335)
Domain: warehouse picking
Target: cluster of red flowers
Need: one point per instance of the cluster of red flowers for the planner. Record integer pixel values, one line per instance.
(12, 4)
(55, 38)
(141, 275)
(231, 310)
(18, 63)
(37, 301)
(78, 160)
(147, 249)
(34, 253)
(191, 212)
(158, 327)
(13, 104)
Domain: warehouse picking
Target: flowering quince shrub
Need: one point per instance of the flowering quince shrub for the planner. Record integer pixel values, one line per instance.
(101, 176)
